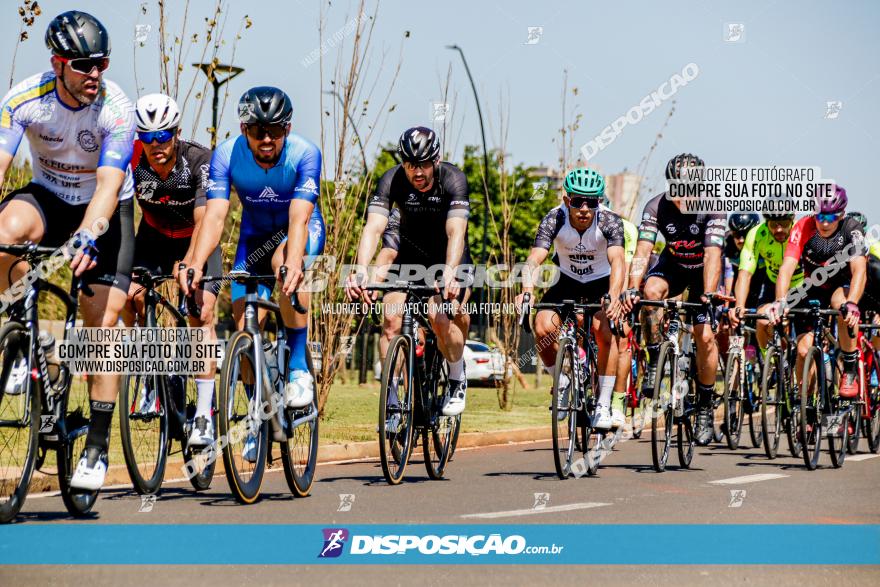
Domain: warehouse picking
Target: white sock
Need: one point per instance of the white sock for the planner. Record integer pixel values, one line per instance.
(205, 389)
(456, 370)
(606, 387)
(548, 369)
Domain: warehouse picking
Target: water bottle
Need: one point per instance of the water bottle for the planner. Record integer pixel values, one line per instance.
(47, 341)
(874, 382)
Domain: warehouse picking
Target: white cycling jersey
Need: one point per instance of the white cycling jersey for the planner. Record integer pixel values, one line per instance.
(581, 256)
(68, 145)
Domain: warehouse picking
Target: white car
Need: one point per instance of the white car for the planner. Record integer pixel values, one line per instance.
(482, 363)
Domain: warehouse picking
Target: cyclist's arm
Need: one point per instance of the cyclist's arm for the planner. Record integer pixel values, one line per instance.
(455, 184)
(743, 283)
(298, 232)
(456, 229)
(5, 162)
(783, 280)
(728, 275)
(711, 268)
(536, 257)
(210, 231)
(639, 264)
(198, 218)
(617, 260)
(858, 267)
(103, 203)
(370, 236)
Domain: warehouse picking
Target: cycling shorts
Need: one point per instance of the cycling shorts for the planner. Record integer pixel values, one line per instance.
(161, 254)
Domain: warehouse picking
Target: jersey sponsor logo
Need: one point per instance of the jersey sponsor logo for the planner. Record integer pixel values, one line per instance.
(146, 189)
(412, 198)
(87, 141)
(670, 228)
(211, 185)
(114, 155)
(694, 229)
(310, 185)
(267, 194)
(49, 139)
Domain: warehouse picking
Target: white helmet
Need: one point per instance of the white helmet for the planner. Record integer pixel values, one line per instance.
(156, 112)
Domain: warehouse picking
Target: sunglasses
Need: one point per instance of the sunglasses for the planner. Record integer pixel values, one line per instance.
(578, 202)
(160, 136)
(828, 217)
(86, 64)
(258, 131)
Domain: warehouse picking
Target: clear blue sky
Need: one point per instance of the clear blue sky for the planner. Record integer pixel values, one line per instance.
(757, 102)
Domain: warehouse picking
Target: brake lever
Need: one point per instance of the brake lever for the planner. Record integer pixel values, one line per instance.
(526, 310)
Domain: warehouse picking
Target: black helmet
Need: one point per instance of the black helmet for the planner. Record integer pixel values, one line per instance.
(77, 35)
(265, 105)
(740, 223)
(778, 215)
(860, 218)
(673, 168)
(418, 144)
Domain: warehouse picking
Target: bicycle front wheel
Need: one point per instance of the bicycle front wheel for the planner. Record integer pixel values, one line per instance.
(396, 411)
(437, 437)
(244, 433)
(200, 463)
(809, 425)
(563, 408)
(686, 439)
(838, 441)
(19, 419)
(734, 381)
(299, 454)
(661, 407)
(78, 502)
(143, 430)
(772, 401)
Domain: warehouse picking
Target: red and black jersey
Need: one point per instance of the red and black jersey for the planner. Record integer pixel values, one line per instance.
(813, 250)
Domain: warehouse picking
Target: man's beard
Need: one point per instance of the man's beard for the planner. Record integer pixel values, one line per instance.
(79, 96)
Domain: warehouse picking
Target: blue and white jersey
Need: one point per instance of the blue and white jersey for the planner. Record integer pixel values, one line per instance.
(69, 144)
(266, 194)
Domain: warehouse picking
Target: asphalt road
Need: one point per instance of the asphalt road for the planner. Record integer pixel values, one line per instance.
(499, 485)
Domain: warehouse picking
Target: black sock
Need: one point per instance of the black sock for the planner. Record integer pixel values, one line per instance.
(704, 394)
(99, 424)
(850, 362)
(653, 354)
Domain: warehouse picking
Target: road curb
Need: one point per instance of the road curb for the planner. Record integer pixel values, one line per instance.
(348, 451)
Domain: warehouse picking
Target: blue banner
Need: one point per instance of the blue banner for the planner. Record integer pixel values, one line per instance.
(282, 544)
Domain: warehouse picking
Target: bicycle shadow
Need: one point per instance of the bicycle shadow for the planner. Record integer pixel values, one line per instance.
(537, 476)
(378, 479)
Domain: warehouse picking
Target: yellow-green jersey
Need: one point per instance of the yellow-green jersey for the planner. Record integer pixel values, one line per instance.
(760, 244)
(630, 239)
(874, 250)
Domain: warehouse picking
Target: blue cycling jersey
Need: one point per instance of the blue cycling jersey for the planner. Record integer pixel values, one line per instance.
(265, 196)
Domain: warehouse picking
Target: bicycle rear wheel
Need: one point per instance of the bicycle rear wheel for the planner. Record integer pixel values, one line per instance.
(753, 397)
(809, 425)
(872, 422)
(732, 401)
(241, 424)
(437, 437)
(837, 443)
(299, 454)
(661, 407)
(686, 440)
(855, 428)
(19, 419)
(143, 430)
(78, 502)
(562, 409)
(396, 411)
(772, 401)
(640, 411)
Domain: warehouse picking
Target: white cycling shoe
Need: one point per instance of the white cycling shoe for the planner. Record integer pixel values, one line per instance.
(300, 390)
(202, 434)
(91, 470)
(454, 403)
(16, 380)
(618, 419)
(602, 419)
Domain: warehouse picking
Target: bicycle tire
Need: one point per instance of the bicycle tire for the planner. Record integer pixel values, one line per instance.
(732, 400)
(837, 444)
(299, 463)
(79, 503)
(662, 410)
(753, 396)
(137, 428)
(639, 413)
(395, 447)
(591, 443)
(234, 424)
(15, 346)
(772, 409)
(686, 441)
(565, 429)
(810, 416)
(855, 431)
(437, 436)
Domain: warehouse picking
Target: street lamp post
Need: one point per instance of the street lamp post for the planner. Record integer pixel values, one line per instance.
(211, 70)
(484, 252)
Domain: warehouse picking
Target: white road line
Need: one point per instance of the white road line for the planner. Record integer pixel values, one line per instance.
(862, 457)
(529, 512)
(749, 479)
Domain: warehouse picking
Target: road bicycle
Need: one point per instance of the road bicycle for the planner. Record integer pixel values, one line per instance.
(415, 381)
(780, 403)
(251, 401)
(43, 406)
(866, 415)
(578, 447)
(158, 409)
(742, 387)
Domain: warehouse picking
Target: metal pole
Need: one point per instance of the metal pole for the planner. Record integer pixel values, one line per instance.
(484, 252)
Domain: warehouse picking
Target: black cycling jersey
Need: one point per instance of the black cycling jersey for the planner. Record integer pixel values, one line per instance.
(423, 214)
(168, 204)
(391, 236)
(686, 235)
(814, 251)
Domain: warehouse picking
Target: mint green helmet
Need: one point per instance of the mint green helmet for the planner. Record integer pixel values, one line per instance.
(584, 182)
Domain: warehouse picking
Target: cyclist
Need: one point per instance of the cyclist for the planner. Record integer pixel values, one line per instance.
(692, 260)
(432, 197)
(170, 178)
(738, 226)
(764, 244)
(831, 250)
(588, 241)
(871, 298)
(80, 128)
(277, 176)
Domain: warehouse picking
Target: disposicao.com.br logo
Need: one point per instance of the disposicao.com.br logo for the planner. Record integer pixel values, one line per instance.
(430, 544)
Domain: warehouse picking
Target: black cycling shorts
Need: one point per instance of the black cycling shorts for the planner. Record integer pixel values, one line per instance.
(871, 298)
(61, 220)
(567, 288)
(160, 254)
(679, 279)
(465, 267)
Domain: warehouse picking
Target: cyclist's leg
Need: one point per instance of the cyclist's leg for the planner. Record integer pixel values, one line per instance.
(392, 319)
(206, 300)
(451, 336)
(21, 219)
(657, 287)
(848, 350)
